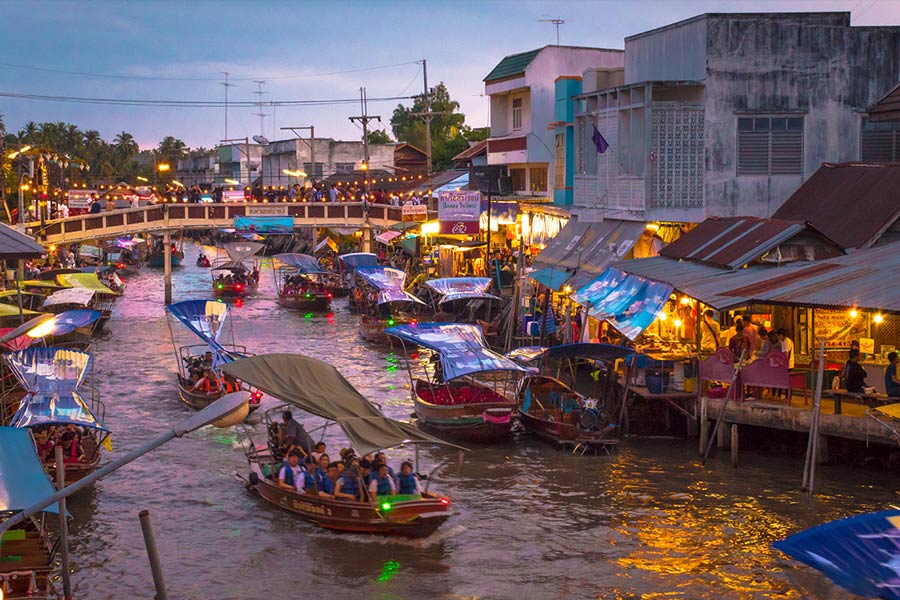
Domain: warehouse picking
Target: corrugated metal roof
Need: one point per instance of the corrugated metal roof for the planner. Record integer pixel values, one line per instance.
(472, 151)
(887, 108)
(512, 65)
(851, 203)
(682, 275)
(732, 242)
(15, 245)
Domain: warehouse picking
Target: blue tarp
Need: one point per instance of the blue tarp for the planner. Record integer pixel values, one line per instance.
(49, 370)
(461, 288)
(861, 553)
(359, 259)
(206, 318)
(23, 480)
(462, 348)
(264, 224)
(50, 408)
(70, 320)
(629, 302)
(303, 263)
(389, 283)
(551, 277)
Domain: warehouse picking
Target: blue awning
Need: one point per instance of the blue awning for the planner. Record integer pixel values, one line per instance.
(462, 348)
(389, 283)
(23, 480)
(461, 288)
(55, 408)
(49, 370)
(629, 302)
(359, 259)
(303, 263)
(551, 277)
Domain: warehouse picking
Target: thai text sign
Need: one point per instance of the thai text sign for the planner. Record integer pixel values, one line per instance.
(267, 211)
(414, 212)
(266, 224)
(838, 327)
(459, 212)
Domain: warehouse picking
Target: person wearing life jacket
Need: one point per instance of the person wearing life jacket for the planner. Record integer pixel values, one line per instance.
(72, 451)
(407, 481)
(309, 480)
(381, 484)
(347, 486)
(291, 475)
(323, 482)
(230, 386)
(208, 384)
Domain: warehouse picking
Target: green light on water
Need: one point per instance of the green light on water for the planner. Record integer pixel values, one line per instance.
(385, 506)
(389, 569)
(308, 295)
(307, 316)
(390, 322)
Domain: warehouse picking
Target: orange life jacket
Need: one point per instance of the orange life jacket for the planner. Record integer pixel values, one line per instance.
(210, 385)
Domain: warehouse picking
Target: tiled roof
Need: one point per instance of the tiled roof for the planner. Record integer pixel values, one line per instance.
(512, 65)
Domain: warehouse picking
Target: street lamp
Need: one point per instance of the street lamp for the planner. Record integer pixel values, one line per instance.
(163, 167)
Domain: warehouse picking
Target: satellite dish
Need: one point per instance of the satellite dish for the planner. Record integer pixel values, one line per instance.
(261, 140)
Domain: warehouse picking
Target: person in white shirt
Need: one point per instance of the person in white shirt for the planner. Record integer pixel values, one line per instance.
(709, 332)
(291, 476)
(787, 346)
(381, 483)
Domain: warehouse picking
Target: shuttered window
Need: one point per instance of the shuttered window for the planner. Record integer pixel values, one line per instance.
(770, 146)
(880, 142)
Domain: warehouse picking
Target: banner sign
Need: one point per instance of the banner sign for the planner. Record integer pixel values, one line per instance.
(253, 224)
(459, 212)
(233, 196)
(267, 210)
(80, 198)
(414, 212)
(838, 327)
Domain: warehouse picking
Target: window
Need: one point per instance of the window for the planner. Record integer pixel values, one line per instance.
(518, 179)
(880, 142)
(538, 177)
(319, 172)
(559, 173)
(517, 113)
(343, 167)
(770, 146)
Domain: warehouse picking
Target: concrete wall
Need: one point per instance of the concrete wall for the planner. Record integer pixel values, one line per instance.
(294, 154)
(675, 52)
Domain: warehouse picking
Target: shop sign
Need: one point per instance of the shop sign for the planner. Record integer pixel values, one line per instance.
(414, 212)
(267, 211)
(459, 212)
(80, 198)
(838, 328)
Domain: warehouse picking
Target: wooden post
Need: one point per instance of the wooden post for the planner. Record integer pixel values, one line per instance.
(63, 525)
(723, 435)
(159, 582)
(704, 426)
(809, 466)
(734, 445)
(167, 264)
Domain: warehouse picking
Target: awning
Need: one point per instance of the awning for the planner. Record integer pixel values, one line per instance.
(386, 236)
(16, 245)
(241, 251)
(76, 296)
(302, 263)
(87, 281)
(629, 302)
(584, 250)
(23, 480)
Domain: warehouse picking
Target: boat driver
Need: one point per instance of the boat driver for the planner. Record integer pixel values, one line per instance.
(292, 435)
(291, 476)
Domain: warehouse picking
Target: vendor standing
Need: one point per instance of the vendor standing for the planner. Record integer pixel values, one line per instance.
(854, 374)
(891, 380)
(709, 332)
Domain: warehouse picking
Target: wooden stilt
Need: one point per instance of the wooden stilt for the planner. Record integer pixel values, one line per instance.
(734, 445)
(167, 264)
(704, 426)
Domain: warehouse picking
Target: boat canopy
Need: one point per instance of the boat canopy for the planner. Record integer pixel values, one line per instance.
(206, 318)
(23, 480)
(87, 281)
(54, 408)
(389, 283)
(12, 310)
(63, 323)
(303, 263)
(526, 354)
(859, 553)
(318, 388)
(230, 265)
(462, 288)
(355, 260)
(39, 283)
(77, 296)
(629, 302)
(16, 293)
(126, 243)
(461, 347)
(240, 251)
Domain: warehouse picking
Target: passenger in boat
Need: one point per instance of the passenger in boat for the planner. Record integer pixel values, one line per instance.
(208, 384)
(309, 467)
(365, 471)
(44, 443)
(207, 358)
(318, 451)
(291, 475)
(381, 457)
(347, 486)
(292, 435)
(382, 484)
(323, 483)
(72, 450)
(408, 482)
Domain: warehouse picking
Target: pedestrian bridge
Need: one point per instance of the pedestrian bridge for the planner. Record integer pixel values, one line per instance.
(168, 217)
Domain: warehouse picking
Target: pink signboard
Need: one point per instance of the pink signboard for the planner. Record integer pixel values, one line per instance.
(459, 212)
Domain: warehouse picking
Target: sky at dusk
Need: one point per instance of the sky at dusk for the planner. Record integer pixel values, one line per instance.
(304, 51)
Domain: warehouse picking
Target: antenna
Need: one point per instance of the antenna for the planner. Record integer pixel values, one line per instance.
(226, 85)
(556, 22)
(259, 94)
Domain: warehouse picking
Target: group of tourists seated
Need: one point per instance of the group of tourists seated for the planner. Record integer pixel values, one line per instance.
(205, 379)
(308, 469)
(239, 277)
(48, 437)
(295, 285)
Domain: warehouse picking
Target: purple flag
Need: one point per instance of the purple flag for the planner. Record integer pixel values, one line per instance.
(599, 142)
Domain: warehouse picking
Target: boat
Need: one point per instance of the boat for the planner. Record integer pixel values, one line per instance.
(106, 295)
(554, 411)
(123, 254)
(300, 282)
(347, 265)
(463, 390)
(69, 299)
(27, 551)
(52, 378)
(206, 319)
(385, 303)
(242, 277)
(465, 300)
(316, 387)
(156, 257)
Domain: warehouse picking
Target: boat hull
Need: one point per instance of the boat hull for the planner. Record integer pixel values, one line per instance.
(158, 261)
(481, 422)
(316, 303)
(201, 401)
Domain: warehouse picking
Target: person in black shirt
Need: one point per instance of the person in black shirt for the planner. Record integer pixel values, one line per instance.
(854, 374)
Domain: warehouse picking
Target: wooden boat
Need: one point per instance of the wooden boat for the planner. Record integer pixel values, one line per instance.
(325, 392)
(385, 302)
(300, 283)
(463, 390)
(243, 277)
(72, 299)
(345, 280)
(156, 257)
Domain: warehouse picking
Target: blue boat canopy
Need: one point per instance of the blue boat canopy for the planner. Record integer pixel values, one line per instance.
(23, 480)
(55, 408)
(359, 259)
(859, 553)
(629, 302)
(303, 263)
(69, 321)
(389, 283)
(49, 370)
(206, 318)
(462, 288)
(461, 347)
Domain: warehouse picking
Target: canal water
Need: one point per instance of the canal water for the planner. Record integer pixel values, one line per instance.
(531, 522)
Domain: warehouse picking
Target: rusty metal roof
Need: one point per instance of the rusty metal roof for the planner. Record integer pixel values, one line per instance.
(472, 151)
(851, 203)
(732, 242)
(887, 108)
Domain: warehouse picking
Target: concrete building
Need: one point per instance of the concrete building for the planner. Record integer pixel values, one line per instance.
(239, 162)
(332, 156)
(197, 170)
(726, 114)
(522, 95)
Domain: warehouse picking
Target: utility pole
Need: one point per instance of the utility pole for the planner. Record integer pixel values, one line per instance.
(226, 85)
(312, 148)
(364, 118)
(262, 115)
(427, 119)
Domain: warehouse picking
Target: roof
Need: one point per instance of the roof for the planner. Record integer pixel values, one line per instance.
(732, 242)
(887, 108)
(15, 245)
(851, 203)
(476, 149)
(23, 480)
(402, 145)
(512, 65)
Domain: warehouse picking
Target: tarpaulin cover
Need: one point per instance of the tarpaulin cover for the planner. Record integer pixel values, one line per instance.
(63, 408)
(461, 288)
(49, 369)
(23, 480)
(552, 277)
(359, 259)
(69, 321)
(241, 251)
(19, 342)
(318, 388)
(264, 224)
(303, 263)
(389, 283)
(206, 318)
(629, 302)
(462, 348)
(861, 553)
(385, 237)
(77, 296)
(230, 265)
(87, 281)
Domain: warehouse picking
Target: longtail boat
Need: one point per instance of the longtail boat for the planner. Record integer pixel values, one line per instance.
(462, 390)
(156, 257)
(206, 319)
(242, 269)
(554, 411)
(465, 300)
(347, 265)
(385, 302)
(51, 378)
(318, 388)
(69, 299)
(300, 282)
(27, 551)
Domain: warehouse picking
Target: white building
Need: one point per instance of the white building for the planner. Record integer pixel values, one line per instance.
(522, 95)
(331, 156)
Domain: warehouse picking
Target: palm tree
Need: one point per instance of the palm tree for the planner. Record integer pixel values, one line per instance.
(29, 133)
(125, 147)
(171, 149)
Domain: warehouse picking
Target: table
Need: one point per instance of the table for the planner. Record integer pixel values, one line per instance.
(870, 400)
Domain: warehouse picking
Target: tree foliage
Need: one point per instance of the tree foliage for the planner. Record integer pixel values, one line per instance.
(379, 136)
